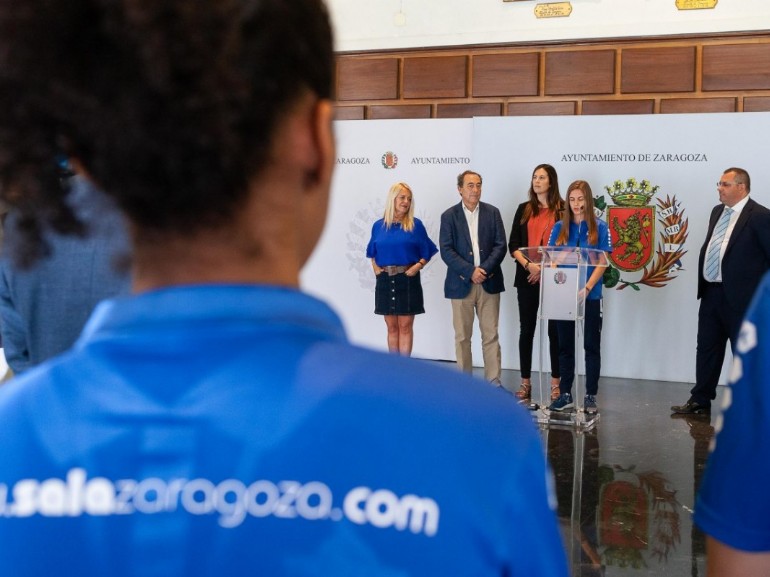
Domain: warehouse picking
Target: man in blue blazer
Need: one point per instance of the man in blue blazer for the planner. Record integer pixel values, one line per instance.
(44, 307)
(732, 261)
(472, 243)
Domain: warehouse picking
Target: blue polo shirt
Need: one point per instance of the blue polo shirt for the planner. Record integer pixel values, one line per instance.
(733, 502)
(233, 430)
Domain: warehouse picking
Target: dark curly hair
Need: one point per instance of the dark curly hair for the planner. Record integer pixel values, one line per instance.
(169, 105)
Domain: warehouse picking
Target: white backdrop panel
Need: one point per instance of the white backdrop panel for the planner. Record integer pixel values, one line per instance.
(429, 155)
(649, 333)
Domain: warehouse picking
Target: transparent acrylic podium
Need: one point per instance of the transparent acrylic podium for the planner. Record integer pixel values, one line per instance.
(564, 271)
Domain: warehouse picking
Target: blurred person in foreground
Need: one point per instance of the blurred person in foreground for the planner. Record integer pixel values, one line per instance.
(217, 421)
(733, 505)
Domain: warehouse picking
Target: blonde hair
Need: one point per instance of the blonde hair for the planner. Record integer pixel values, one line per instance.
(407, 223)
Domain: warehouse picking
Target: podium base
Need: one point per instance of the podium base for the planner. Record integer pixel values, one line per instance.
(574, 419)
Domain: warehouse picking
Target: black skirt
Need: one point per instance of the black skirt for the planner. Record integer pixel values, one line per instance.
(398, 295)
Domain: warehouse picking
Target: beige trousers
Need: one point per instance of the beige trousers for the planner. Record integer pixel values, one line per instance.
(487, 307)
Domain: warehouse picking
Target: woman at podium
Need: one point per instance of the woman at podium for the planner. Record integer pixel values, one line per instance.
(579, 227)
(532, 225)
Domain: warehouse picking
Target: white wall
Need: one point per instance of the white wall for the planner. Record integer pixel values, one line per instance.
(371, 24)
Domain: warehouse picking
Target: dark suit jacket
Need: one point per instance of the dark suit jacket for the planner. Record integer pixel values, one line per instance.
(746, 258)
(457, 250)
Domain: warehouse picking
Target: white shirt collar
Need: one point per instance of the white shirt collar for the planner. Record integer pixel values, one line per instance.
(738, 206)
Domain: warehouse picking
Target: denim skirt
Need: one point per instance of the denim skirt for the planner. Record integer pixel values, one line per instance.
(398, 295)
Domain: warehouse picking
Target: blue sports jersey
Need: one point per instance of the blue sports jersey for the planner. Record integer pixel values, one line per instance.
(233, 430)
(733, 502)
(578, 236)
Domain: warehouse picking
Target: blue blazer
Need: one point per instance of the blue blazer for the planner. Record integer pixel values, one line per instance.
(44, 308)
(457, 250)
(746, 258)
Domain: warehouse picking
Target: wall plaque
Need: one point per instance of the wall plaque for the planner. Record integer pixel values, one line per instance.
(553, 10)
(695, 4)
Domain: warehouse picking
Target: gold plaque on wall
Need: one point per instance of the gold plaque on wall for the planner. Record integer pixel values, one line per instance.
(695, 4)
(553, 10)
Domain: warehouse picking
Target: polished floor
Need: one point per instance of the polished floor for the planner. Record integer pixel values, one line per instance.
(626, 487)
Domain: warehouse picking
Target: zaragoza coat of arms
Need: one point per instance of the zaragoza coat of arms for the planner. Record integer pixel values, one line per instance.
(632, 222)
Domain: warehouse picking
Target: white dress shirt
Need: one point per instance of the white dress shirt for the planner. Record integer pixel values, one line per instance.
(473, 226)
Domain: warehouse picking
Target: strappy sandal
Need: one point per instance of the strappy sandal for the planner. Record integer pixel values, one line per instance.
(555, 393)
(525, 391)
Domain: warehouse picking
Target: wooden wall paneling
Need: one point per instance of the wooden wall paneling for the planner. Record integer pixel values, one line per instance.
(697, 105)
(468, 110)
(552, 108)
(348, 113)
(435, 77)
(756, 104)
(645, 76)
(514, 74)
(736, 67)
(367, 79)
(400, 111)
(618, 106)
(665, 69)
(580, 72)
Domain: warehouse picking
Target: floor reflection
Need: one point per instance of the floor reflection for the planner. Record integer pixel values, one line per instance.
(626, 488)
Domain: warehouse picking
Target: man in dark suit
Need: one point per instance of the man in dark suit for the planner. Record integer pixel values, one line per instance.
(732, 261)
(472, 242)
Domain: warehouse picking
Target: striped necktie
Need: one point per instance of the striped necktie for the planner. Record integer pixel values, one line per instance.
(715, 247)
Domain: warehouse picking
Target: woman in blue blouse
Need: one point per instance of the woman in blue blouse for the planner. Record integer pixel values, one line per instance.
(399, 248)
(580, 227)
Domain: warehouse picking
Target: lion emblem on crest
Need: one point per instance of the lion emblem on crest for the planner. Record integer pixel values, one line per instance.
(632, 222)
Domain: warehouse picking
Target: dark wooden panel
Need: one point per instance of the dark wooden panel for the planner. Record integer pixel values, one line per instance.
(399, 111)
(618, 107)
(367, 79)
(565, 108)
(468, 110)
(657, 70)
(736, 67)
(348, 113)
(581, 72)
(756, 104)
(435, 77)
(505, 74)
(695, 105)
